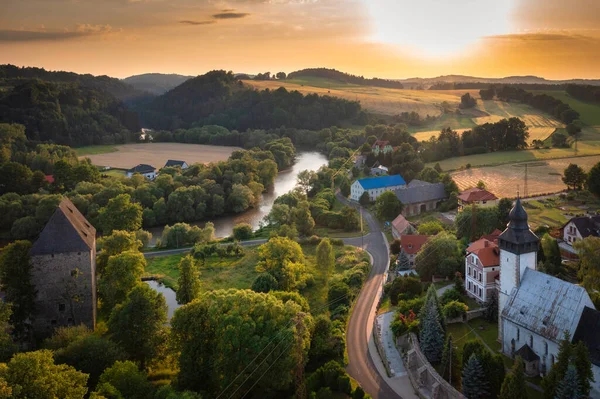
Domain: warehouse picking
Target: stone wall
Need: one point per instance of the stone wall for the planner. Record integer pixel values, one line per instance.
(424, 377)
(65, 290)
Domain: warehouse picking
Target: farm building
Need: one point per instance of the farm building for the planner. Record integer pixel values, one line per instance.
(411, 245)
(535, 309)
(175, 163)
(375, 186)
(64, 271)
(420, 196)
(144, 170)
(581, 227)
(381, 146)
(482, 267)
(476, 196)
(401, 226)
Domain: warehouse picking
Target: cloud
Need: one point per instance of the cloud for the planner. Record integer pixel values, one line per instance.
(541, 36)
(188, 22)
(230, 15)
(80, 30)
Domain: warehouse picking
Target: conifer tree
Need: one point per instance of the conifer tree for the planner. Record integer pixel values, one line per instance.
(188, 281)
(559, 369)
(569, 388)
(581, 361)
(432, 302)
(514, 386)
(451, 367)
(474, 382)
(431, 335)
(403, 262)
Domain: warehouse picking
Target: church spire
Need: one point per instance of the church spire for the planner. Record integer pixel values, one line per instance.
(518, 237)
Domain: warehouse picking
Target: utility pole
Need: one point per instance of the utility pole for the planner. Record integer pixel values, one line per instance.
(362, 239)
(300, 385)
(473, 221)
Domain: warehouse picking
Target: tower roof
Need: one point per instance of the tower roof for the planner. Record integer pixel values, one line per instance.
(517, 231)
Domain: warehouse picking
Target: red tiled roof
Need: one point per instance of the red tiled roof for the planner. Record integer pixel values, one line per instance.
(493, 236)
(380, 144)
(476, 194)
(49, 179)
(411, 244)
(400, 224)
(487, 252)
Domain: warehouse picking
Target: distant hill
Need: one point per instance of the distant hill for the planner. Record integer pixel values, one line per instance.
(156, 83)
(334, 74)
(524, 80)
(220, 98)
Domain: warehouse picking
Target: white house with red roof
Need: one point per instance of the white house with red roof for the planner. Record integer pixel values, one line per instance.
(411, 244)
(482, 267)
(381, 146)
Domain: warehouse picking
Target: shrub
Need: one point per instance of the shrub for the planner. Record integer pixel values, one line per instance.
(449, 296)
(339, 294)
(265, 282)
(242, 231)
(414, 304)
(454, 309)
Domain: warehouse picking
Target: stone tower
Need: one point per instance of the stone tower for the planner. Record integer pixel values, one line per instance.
(518, 251)
(64, 271)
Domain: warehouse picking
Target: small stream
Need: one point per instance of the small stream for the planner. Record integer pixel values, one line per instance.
(168, 293)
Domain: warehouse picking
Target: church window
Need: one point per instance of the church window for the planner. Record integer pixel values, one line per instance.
(545, 347)
(531, 341)
(518, 334)
(552, 359)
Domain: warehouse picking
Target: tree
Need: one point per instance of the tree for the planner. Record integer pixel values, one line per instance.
(491, 307)
(574, 177)
(559, 369)
(559, 139)
(365, 200)
(283, 258)
(569, 388)
(122, 274)
(351, 218)
(474, 382)
(338, 295)
(466, 101)
(240, 198)
(431, 256)
(303, 218)
(325, 256)
(242, 231)
(265, 282)
(15, 178)
(120, 214)
(7, 346)
(487, 221)
(430, 228)
(450, 366)
(593, 180)
(280, 75)
(589, 267)
(388, 206)
(34, 375)
(403, 262)
(552, 258)
(127, 381)
(119, 241)
(431, 332)
(209, 332)
(138, 324)
(188, 283)
(514, 385)
(481, 185)
(504, 207)
(15, 282)
(583, 365)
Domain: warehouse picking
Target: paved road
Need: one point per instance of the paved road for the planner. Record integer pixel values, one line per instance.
(360, 364)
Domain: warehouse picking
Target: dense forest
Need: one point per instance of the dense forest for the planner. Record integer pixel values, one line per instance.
(219, 98)
(334, 74)
(584, 93)
(156, 83)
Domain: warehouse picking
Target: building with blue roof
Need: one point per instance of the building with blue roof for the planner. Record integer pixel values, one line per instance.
(375, 186)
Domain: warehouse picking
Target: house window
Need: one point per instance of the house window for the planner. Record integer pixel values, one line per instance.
(61, 307)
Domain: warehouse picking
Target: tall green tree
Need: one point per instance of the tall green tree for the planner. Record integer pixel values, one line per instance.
(125, 380)
(552, 259)
(430, 258)
(388, 206)
(589, 267)
(583, 365)
(303, 218)
(120, 214)
(568, 387)
(403, 262)
(325, 256)
(504, 207)
(7, 346)
(559, 369)
(593, 180)
(188, 283)
(514, 385)
(15, 282)
(119, 241)
(138, 324)
(283, 258)
(574, 176)
(474, 381)
(431, 331)
(122, 274)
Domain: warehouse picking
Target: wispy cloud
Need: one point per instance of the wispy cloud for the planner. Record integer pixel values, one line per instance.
(189, 22)
(542, 36)
(80, 30)
(230, 15)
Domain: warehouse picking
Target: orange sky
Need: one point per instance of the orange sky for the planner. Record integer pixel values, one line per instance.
(556, 39)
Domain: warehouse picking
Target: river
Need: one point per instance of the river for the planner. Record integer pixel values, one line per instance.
(284, 182)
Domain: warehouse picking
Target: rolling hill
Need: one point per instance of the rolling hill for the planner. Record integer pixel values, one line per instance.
(156, 83)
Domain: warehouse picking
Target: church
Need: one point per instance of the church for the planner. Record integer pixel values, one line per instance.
(535, 309)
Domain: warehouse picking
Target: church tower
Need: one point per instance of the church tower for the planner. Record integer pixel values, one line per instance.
(518, 251)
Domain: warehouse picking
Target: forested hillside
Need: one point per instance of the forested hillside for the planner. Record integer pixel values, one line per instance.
(334, 74)
(219, 98)
(156, 83)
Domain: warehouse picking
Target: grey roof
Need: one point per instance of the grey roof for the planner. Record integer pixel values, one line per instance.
(142, 168)
(418, 183)
(546, 305)
(66, 231)
(587, 225)
(527, 354)
(174, 162)
(421, 193)
(587, 331)
(517, 231)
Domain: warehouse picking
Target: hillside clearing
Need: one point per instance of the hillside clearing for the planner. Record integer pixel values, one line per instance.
(156, 154)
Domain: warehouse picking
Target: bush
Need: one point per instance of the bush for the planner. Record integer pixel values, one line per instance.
(454, 309)
(264, 283)
(395, 246)
(414, 304)
(339, 294)
(404, 288)
(449, 296)
(242, 231)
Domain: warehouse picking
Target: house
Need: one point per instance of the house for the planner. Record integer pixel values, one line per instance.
(381, 147)
(379, 170)
(535, 309)
(64, 271)
(401, 226)
(359, 161)
(411, 245)
(420, 196)
(175, 163)
(143, 169)
(493, 236)
(581, 227)
(375, 186)
(476, 196)
(482, 267)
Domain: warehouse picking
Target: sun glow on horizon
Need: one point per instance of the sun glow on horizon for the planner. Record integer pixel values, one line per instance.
(438, 28)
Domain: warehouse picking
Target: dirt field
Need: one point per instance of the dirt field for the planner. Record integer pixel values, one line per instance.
(504, 181)
(157, 154)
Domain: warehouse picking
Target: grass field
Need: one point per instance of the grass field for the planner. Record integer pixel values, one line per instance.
(156, 154)
(544, 176)
(95, 149)
(590, 113)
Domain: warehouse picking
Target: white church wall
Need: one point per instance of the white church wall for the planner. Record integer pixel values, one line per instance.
(596, 384)
(523, 336)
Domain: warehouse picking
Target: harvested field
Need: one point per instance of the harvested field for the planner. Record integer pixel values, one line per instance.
(543, 176)
(157, 154)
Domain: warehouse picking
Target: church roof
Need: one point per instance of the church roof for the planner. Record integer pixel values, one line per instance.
(66, 231)
(527, 354)
(587, 331)
(518, 231)
(546, 305)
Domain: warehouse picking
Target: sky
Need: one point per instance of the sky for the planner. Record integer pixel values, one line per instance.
(556, 39)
